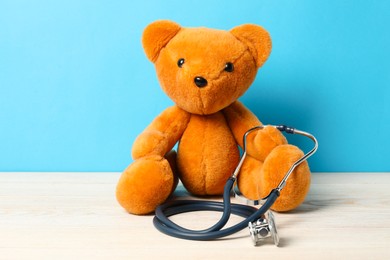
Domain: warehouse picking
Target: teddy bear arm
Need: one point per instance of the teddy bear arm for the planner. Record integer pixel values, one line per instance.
(259, 144)
(162, 134)
(240, 119)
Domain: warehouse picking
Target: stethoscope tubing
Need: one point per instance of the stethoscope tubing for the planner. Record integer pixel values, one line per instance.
(162, 222)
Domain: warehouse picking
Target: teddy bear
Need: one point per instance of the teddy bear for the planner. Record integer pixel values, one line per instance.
(204, 71)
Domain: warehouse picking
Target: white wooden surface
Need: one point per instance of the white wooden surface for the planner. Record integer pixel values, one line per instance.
(76, 216)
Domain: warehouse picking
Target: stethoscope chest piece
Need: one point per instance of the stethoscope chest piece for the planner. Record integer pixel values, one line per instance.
(262, 229)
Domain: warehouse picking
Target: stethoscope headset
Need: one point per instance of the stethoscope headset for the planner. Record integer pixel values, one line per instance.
(260, 226)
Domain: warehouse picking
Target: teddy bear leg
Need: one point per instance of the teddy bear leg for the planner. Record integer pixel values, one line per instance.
(146, 183)
(171, 157)
(275, 166)
(249, 178)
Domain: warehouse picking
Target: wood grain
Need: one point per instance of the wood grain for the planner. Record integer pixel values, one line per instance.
(75, 215)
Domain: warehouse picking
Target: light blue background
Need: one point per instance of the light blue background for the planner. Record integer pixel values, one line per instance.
(76, 87)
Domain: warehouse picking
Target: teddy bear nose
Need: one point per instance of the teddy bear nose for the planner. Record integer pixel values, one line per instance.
(200, 82)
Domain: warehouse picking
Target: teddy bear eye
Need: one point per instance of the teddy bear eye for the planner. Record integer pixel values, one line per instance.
(180, 62)
(229, 67)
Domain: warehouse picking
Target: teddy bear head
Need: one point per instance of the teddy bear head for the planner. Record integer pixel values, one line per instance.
(205, 70)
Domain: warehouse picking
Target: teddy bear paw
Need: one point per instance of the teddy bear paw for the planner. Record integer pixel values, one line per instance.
(274, 169)
(264, 141)
(145, 184)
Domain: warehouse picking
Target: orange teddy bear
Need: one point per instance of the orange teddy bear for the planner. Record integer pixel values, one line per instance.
(204, 71)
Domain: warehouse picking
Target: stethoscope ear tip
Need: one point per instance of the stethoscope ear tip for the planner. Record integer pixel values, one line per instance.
(263, 228)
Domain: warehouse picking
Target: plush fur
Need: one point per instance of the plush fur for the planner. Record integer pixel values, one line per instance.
(207, 121)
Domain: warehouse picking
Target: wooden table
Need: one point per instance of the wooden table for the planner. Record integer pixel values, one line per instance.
(75, 216)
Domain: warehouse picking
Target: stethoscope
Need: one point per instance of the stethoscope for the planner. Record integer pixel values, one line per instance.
(260, 226)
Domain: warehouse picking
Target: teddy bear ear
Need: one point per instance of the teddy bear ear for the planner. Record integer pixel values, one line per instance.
(257, 39)
(156, 35)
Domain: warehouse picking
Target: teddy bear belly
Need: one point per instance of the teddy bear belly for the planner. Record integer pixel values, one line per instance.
(207, 154)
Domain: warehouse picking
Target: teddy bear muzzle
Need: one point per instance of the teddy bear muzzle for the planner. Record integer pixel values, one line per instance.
(200, 82)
